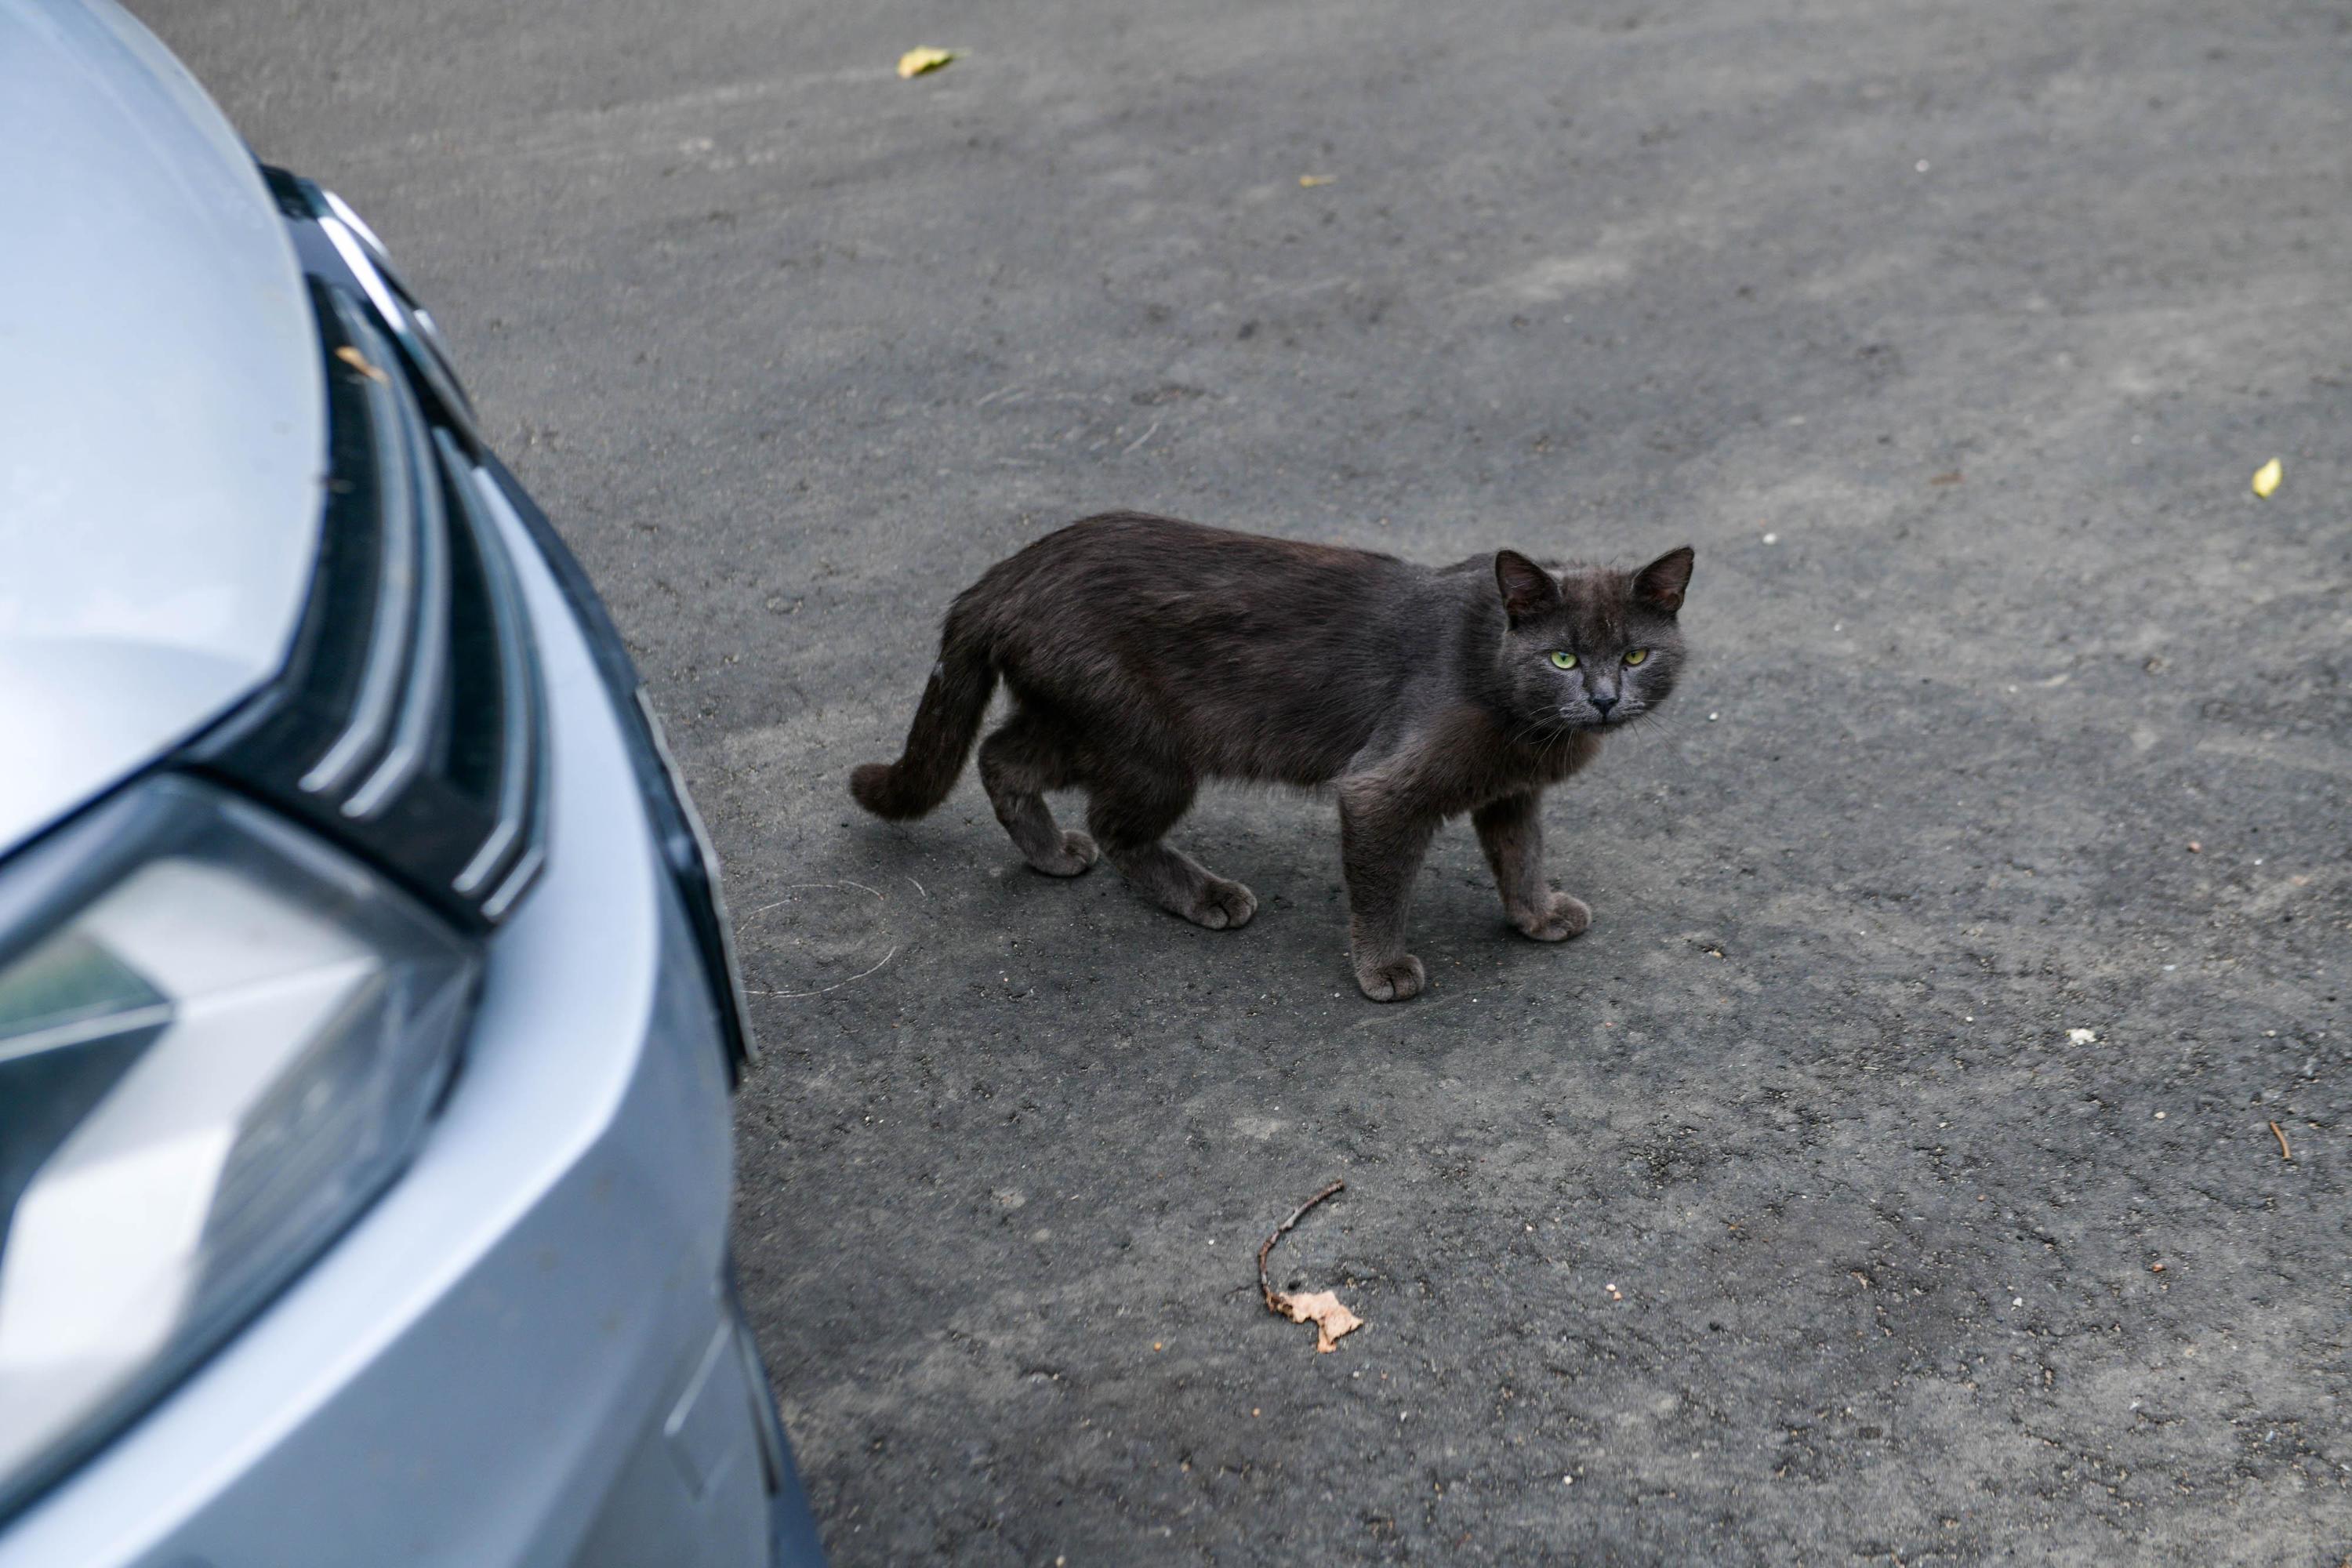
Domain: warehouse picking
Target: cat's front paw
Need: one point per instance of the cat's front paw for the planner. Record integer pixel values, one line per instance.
(1563, 918)
(1398, 980)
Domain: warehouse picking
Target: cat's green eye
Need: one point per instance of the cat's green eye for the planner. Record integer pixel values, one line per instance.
(1563, 661)
(1637, 655)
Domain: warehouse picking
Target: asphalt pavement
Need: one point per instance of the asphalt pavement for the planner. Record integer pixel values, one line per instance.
(1890, 1174)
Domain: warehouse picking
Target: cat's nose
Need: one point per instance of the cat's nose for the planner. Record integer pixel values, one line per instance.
(1602, 704)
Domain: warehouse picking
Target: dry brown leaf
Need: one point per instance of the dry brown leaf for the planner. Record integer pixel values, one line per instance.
(1322, 1308)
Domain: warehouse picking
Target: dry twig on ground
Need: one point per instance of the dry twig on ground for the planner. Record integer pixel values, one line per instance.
(1320, 1308)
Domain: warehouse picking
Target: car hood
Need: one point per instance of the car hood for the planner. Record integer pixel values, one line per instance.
(162, 435)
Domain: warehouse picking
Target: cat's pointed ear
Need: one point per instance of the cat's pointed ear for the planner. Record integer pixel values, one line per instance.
(1662, 584)
(1527, 588)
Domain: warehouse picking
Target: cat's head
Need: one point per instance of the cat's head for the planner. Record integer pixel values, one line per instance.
(1591, 647)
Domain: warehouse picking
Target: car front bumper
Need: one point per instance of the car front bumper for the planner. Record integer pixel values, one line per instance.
(528, 1350)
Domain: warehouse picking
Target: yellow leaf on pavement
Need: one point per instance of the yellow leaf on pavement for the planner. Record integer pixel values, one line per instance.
(1311, 181)
(922, 62)
(2267, 477)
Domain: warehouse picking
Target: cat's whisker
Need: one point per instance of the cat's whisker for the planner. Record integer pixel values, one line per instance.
(1541, 734)
(1656, 718)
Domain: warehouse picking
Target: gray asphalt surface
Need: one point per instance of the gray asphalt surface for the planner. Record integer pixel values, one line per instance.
(1778, 1218)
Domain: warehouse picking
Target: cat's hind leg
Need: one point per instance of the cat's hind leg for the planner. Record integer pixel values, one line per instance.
(1130, 812)
(1024, 756)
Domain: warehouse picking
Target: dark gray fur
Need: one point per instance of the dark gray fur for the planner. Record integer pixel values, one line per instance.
(1146, 656)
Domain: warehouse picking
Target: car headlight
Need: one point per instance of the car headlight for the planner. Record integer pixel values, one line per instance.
(219, 1040)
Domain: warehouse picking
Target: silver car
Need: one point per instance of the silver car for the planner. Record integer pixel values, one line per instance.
(367, 1020)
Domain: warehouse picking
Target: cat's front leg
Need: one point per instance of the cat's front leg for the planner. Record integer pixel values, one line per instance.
(1381, 841)
(1511, 831)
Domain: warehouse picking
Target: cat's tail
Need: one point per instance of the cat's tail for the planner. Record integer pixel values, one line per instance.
(946, 722)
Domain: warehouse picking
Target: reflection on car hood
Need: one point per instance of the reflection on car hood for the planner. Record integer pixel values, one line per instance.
(162, 411)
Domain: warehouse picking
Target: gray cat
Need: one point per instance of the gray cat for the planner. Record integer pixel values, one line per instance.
(1146, 655)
